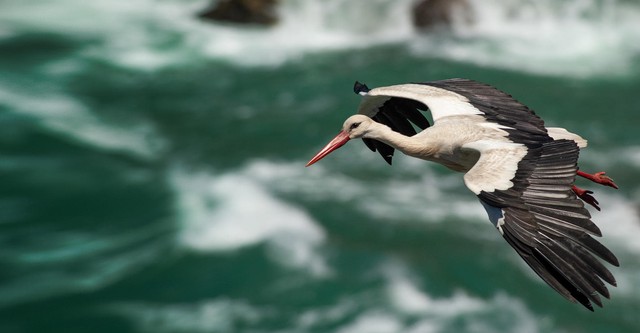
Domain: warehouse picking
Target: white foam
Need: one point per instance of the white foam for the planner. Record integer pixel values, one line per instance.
(409, 299)
(148, 35)
(626, 156)
(323, 314)
(619, 220)
(233, 211)
(134, 34)
(578, 38)
(630, 154)
(410, 309)
(312, 26)
(218, 315)
(222, 315)
(406, 297)
(435, 314)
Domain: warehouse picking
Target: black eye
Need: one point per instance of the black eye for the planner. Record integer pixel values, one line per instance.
(354, 126)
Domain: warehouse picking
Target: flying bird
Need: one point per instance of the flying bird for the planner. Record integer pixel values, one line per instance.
(522, 172)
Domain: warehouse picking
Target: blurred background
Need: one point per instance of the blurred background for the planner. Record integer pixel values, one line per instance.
(152, 160)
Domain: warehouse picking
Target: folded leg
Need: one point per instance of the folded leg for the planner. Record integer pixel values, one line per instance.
(586, 196)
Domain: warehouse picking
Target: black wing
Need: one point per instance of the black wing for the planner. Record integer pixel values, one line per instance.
(550, 228)
(499, 107)
(398, 113)
(543, 220)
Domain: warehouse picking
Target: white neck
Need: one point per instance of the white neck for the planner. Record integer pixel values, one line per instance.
(409, 145)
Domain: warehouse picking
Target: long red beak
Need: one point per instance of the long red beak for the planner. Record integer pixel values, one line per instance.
(336, 143)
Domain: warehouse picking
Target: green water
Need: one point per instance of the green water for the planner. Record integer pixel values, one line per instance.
(149, 184)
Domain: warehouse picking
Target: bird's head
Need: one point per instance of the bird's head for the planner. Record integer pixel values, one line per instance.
(355, 127)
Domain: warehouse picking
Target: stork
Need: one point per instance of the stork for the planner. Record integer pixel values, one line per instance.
(522, 172)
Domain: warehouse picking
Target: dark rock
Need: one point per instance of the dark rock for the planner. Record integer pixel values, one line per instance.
(438, 13)
(242, 11)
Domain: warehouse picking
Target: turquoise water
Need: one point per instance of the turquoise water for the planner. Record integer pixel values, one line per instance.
(152, 168)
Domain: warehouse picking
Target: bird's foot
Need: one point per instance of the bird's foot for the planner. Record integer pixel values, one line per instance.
(598, 177)
(586, 196)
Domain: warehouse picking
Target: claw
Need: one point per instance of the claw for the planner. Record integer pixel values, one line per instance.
(586, 196)
(605, 180)
(599, 177)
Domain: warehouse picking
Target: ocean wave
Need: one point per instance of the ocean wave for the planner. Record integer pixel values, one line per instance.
(207, 316)
(148, 35)
(627, 157)
(397, 305)
(499, 314)
(575, 38)
(440, 314)
(570, 38)
(64, 115)
(227, 212)
(314, 26)
(407, 298)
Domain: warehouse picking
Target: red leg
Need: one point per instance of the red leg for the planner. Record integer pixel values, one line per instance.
(598, 177)
(586, 196)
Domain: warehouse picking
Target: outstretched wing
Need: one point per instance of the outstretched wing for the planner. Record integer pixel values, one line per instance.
(398, 106)
(540, 217)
